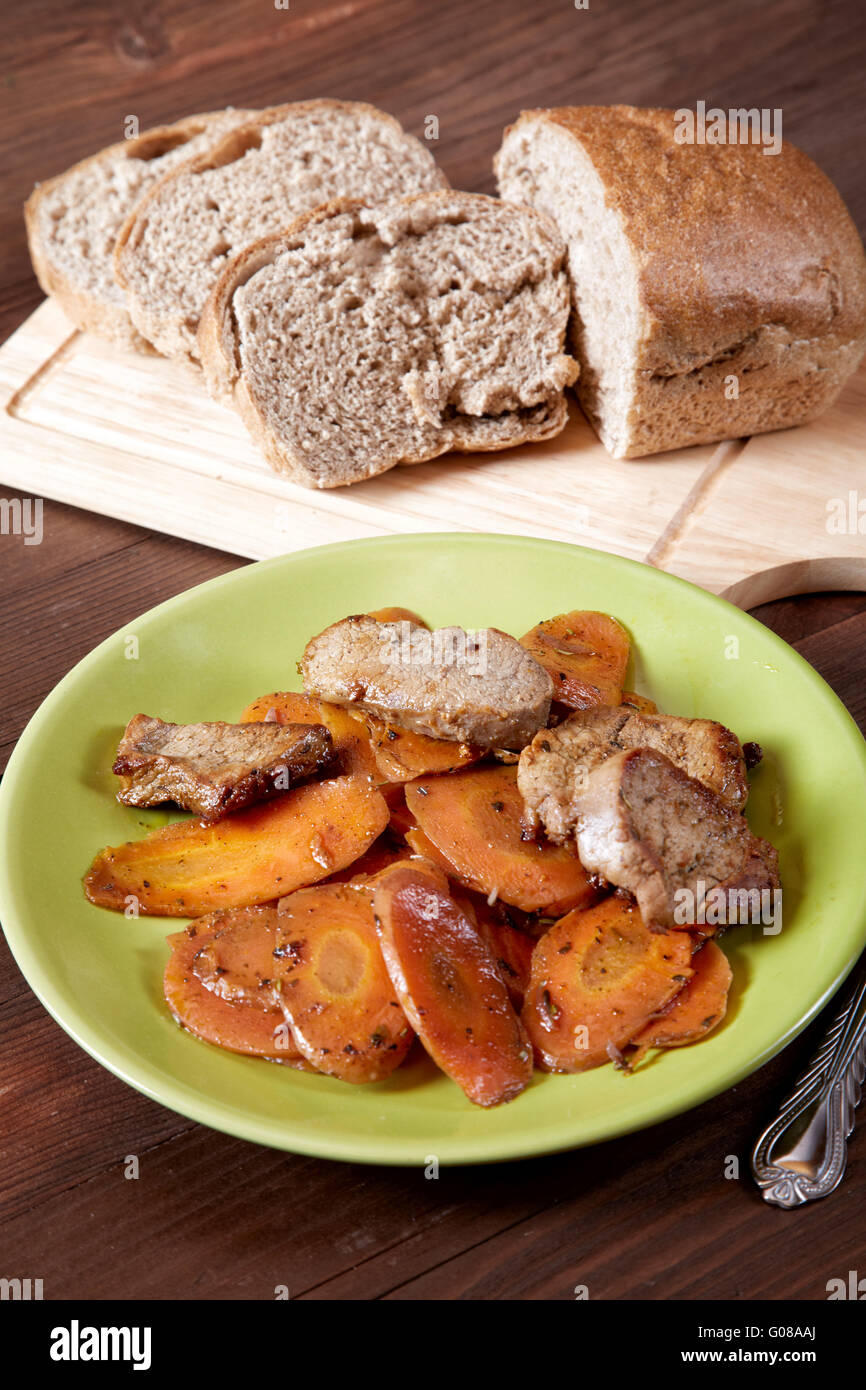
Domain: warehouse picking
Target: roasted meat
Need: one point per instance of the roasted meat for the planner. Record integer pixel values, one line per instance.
(466, 687)
(212, 769)
(554, 768)
(646, 826)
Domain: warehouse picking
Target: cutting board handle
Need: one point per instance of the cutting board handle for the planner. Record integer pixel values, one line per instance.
(798, 577)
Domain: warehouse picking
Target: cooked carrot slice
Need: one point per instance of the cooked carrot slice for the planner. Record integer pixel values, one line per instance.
(388, 849)
(236, 961)
(639, 702)
(188, 869)
(450, 987)
(398, 615)
(511, 948)
(401, 817)
(697, 1009)
(248, 1028)
(422, 845)
(393, 794)
(335, 992)
(472, 819)
(585, 654)
(597, 977)
(349, 736)
(402, 755)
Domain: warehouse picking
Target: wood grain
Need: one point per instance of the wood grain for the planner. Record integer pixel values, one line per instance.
(210, 1217)
(786, 514)
(138, 437)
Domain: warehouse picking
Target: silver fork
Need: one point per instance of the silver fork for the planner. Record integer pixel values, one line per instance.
(802, 1153)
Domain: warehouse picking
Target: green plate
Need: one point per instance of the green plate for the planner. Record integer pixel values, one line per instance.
(207, 653)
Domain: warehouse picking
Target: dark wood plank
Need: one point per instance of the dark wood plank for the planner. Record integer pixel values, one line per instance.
(474, 66)
(647, 1216)
(90, 583)
(92, 1126)
(70, 537)
(840, 656)
(809, 615)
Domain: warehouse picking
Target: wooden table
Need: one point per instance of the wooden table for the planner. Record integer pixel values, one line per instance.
(648, 1216)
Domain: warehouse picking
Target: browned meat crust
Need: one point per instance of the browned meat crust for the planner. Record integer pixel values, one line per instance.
(648, 827)
(466, 687)
(212, 769)
(554, 768)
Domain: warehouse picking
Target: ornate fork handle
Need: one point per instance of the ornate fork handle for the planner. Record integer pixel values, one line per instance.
(801, 1155)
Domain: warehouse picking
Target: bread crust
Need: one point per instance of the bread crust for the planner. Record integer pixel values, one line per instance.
(130, 232)
(748, 266)
(87, 311)
(218, 352)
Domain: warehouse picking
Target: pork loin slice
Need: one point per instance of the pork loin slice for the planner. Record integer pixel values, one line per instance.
(554, 768)
(467, 687)
(645, 825)
(212, 769)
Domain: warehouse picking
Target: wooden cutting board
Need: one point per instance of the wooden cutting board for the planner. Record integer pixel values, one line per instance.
(137, 437)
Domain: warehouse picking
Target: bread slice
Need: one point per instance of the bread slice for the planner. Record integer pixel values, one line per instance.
(718, 291)
(366, 337)
(287, 161)
(73, 219)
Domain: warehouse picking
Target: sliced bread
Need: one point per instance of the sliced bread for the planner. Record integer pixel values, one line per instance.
(718, 291)
(73, 219)
(287, 161)
(366, 337)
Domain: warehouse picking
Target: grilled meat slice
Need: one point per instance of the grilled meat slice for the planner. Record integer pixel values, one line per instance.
(466, 687)
(555, 766)
(212, 769)
(648, 827)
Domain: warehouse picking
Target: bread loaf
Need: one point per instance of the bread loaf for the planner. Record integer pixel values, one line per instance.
(717, 291)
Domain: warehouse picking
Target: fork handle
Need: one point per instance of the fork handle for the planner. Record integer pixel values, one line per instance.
(801, 1155)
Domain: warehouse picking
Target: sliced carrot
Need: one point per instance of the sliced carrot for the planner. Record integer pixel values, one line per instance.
(450, 987)
(236, 961)
(335, 991)
(401, 817)
(402, 755)
(697, 1009)
(597, 977)
(393, 794)
(349, 735)
(252, 1029)
(188, 869)
(639, 702)
(472, 820)
(398, 615)
(423, 846)
(283, 706)
(384, 851)
(430, 871)
(585, 654)
(511, 948)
